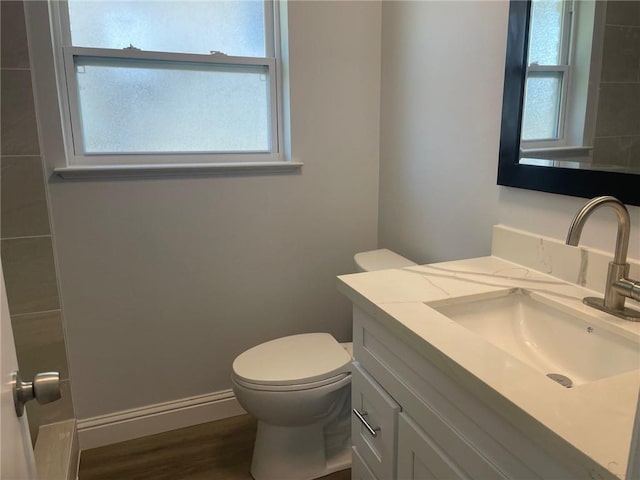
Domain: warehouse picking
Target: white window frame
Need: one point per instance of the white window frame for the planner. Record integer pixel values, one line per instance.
(564, 68)
(76, 160)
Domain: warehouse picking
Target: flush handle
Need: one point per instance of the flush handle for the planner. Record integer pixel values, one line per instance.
(372, 430)
(45, 388)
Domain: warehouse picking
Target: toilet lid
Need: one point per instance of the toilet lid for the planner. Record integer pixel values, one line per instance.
(297, 359)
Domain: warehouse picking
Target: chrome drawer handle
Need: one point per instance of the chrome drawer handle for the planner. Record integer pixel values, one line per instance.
(373, 431)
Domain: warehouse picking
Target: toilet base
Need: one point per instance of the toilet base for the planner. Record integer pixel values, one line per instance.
(295, 453)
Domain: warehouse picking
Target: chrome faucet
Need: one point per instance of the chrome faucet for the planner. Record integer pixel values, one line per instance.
(618, 287)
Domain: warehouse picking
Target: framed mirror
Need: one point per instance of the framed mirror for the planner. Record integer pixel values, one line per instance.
(571, 102)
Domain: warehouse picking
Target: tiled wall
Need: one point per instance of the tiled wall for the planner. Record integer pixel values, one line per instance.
(26, 241)
(617, 137)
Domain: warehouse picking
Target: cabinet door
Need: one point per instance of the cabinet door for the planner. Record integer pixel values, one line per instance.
(359, 469)
(439, 453)
(419, 458)
(379, 412)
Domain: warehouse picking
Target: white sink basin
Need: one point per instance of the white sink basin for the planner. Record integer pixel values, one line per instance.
(552, 338)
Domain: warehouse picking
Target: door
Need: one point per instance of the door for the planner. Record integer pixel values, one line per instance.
(16, 453)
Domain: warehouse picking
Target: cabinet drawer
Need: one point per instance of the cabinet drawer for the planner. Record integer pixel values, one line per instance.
(359, 469)
(380, 413)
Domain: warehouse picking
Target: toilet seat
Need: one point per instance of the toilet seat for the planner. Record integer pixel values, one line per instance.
(296, 362)
(291, 388)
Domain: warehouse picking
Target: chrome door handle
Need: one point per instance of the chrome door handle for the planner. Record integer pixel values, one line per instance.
(45, 388)
(372, 430)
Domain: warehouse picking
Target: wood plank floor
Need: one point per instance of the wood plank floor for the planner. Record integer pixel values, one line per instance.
(218, 450)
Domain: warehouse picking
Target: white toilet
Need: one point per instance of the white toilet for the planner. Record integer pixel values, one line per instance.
(299, 389)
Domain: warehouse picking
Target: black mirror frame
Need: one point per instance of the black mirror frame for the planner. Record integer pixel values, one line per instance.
(565, 181)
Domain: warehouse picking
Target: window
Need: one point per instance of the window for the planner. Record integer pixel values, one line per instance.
(548, 70)
(563, 73)
(165, 82)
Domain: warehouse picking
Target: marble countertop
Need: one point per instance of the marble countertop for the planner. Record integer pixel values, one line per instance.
(590, 424)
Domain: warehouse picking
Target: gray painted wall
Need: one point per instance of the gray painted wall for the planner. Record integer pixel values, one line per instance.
(164, 281)
(442, 80)
(442, 69)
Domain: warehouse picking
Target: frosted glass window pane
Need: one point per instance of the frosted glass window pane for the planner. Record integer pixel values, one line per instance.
(542, 106)
(545, 32)
(134, 106)
(233, 27)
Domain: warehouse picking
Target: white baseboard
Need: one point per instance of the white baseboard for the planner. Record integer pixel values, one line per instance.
(162, 417)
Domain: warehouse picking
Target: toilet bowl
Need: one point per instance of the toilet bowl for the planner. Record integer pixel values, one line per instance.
(299, 389)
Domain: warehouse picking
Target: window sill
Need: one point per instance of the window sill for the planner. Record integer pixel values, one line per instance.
(175, 170)
(565, 157)
(556, 152)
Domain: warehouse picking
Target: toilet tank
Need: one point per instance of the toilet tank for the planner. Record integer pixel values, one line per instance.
(380, 260)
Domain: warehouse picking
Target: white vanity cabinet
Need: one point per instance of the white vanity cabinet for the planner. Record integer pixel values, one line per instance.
(426, 425)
